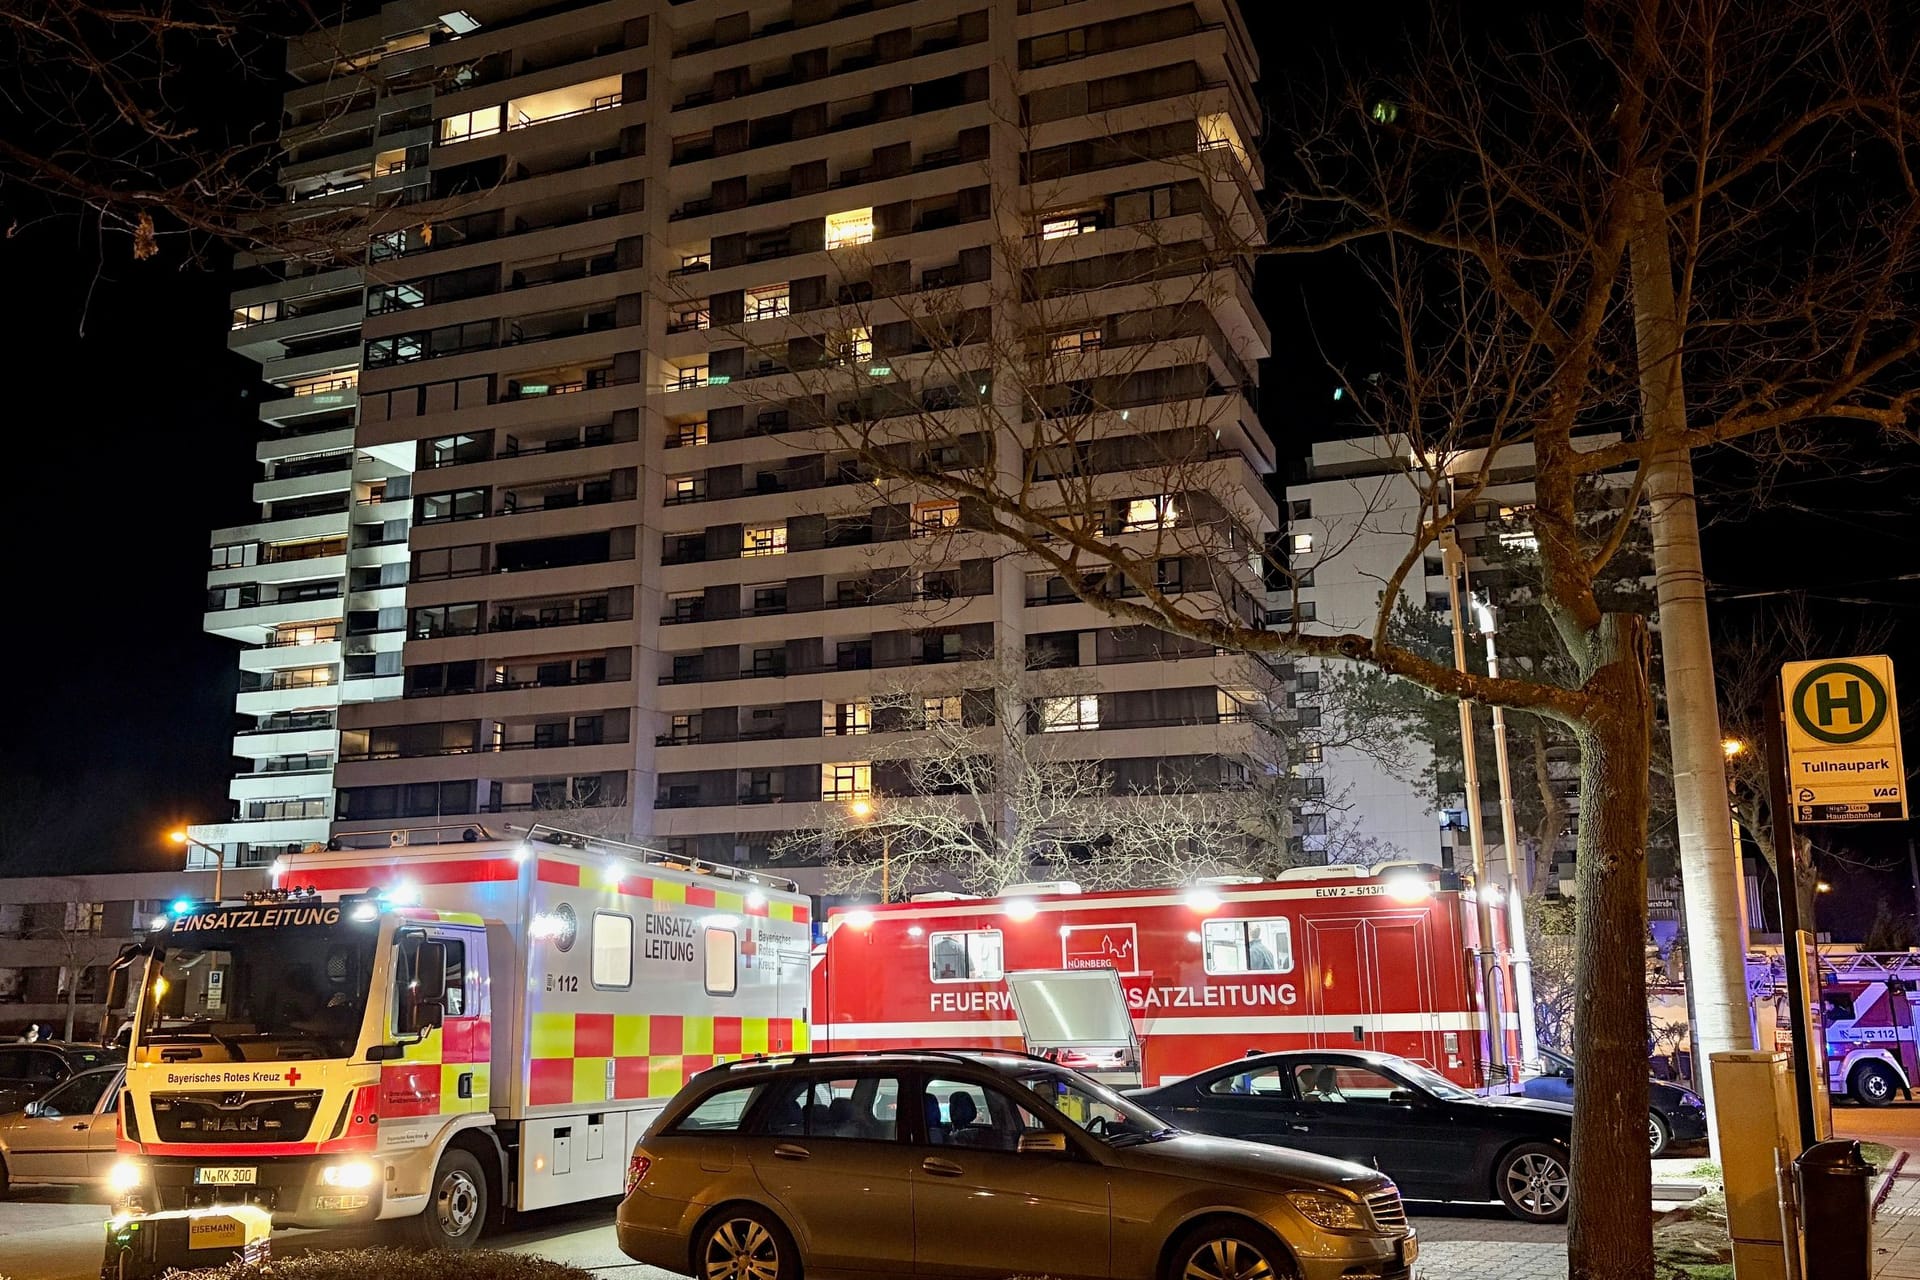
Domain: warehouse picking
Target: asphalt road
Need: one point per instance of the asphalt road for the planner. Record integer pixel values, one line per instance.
(53, 1235)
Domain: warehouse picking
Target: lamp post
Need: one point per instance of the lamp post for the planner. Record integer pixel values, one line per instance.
(864, 810)
(1518, 953)
(1456, 566)
(219, 857)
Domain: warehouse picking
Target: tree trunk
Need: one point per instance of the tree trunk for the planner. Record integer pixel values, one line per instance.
(1610, 1230)
(1709, 866)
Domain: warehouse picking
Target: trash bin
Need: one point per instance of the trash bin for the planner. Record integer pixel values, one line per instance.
(1835, 1218)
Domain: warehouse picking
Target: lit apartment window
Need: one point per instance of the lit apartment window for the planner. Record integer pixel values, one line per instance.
(682, 489)
(688, 378)
(1060, 226)
(855, 346)
(764, 540)
(682, 435)
(681, 729)
(850, 781)
(947, 709)
(769, 302)
(258, 313)
(1069, 714)
(1302, 543)
(1161, 511)
(470, 124)
(1078, 340)
(933, 518)
(855, 226)
(692, 262)
(688, 318)
(843, 718)
(326, 385)
(1233, 704)
(1217, 133)
(390, 162)
(560, 104)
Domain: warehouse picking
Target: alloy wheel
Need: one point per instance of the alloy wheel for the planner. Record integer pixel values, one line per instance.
(1228, 1259)
(1537, 1182)
(742, 1249)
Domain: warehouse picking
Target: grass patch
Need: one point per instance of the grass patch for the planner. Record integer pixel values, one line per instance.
(396, 1264)
(1693, 1244)
(1878, 1154)
(1706, 1170)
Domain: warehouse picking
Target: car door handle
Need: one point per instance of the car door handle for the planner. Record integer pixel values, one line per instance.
(81, 1127)
(787, 1151)
(1298, 1128)
(941, 1168)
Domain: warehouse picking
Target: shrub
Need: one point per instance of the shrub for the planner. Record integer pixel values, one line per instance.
(396, 1264)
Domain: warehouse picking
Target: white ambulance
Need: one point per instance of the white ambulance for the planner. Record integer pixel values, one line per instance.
(439, 1031)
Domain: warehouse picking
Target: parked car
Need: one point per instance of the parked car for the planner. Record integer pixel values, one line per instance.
(30, 1069)
(65, 1137)
(1675, 1113)
(1436, 1140)
(981, 1164)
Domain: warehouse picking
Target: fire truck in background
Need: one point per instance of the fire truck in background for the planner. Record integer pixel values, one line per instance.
(435, 1031)
(1865, 1018)
(1149, 985)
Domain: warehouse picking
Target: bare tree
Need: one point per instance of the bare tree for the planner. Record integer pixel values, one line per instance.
(984, 787)
(1557, 226)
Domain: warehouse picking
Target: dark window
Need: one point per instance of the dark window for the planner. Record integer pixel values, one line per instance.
(860, 1108)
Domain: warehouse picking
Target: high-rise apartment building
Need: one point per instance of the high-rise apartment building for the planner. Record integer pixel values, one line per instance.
(1353, 514)
(562, 520)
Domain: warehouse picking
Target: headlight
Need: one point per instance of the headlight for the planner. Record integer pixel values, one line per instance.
(350, 1173)
(124, 1176)
(1328, 1211)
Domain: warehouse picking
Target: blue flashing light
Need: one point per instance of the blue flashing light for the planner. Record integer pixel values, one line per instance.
(181, 906)
(1339, 393)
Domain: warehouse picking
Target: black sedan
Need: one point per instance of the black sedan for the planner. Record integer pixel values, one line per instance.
(1675, 1113)
(1435, 1139)
(31, 1068)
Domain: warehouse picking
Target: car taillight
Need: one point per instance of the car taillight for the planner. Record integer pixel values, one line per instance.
(637, 1166)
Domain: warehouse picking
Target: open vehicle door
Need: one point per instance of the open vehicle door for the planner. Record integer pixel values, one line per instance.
(1079, 1018)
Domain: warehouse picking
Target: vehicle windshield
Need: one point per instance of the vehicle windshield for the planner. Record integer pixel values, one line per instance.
(261, 994)
(1435, 1083)
(1095, 1109)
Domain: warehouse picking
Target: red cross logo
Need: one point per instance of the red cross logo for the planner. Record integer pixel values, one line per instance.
(293, 1075)
(748, 948)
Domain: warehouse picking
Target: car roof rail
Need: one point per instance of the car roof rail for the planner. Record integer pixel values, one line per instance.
(838, 1055)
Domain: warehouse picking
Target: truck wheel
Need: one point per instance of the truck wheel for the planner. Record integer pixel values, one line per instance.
(1872, 1084)
(456, 1209)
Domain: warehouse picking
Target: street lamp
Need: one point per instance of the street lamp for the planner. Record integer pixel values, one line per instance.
(181, 837)
(1732, 746)
(863, 811)
(1518, 953)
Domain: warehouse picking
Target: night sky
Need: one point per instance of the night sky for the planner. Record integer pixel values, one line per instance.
(133, 437)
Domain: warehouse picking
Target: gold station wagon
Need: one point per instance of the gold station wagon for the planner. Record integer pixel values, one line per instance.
(937, 1163)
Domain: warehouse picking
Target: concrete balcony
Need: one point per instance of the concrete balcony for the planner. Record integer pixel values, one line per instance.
(255, 624)
(300, 831)
(282, 785)
(290, 488)
(280, 572)
(266, 702)
(285, 657)
(268, 339)
(291, 409)
(298, 446)
(260, 745)
(371, 689)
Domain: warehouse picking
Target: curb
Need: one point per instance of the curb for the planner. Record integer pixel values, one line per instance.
(1886, 1180)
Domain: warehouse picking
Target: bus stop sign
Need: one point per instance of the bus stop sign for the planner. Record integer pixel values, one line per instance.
(1843, 740)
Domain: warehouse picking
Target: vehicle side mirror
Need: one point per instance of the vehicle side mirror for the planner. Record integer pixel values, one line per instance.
(1404, 1097)
(35, 1109)
(1042, 1142)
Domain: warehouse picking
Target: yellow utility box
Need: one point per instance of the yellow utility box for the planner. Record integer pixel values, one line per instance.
(1759, 1132)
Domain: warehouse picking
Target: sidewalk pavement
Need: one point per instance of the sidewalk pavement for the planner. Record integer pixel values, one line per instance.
(1456, 1246)
(1896, 1225)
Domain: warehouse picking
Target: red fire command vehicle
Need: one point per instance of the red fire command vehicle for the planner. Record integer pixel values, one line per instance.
(1325, 957)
